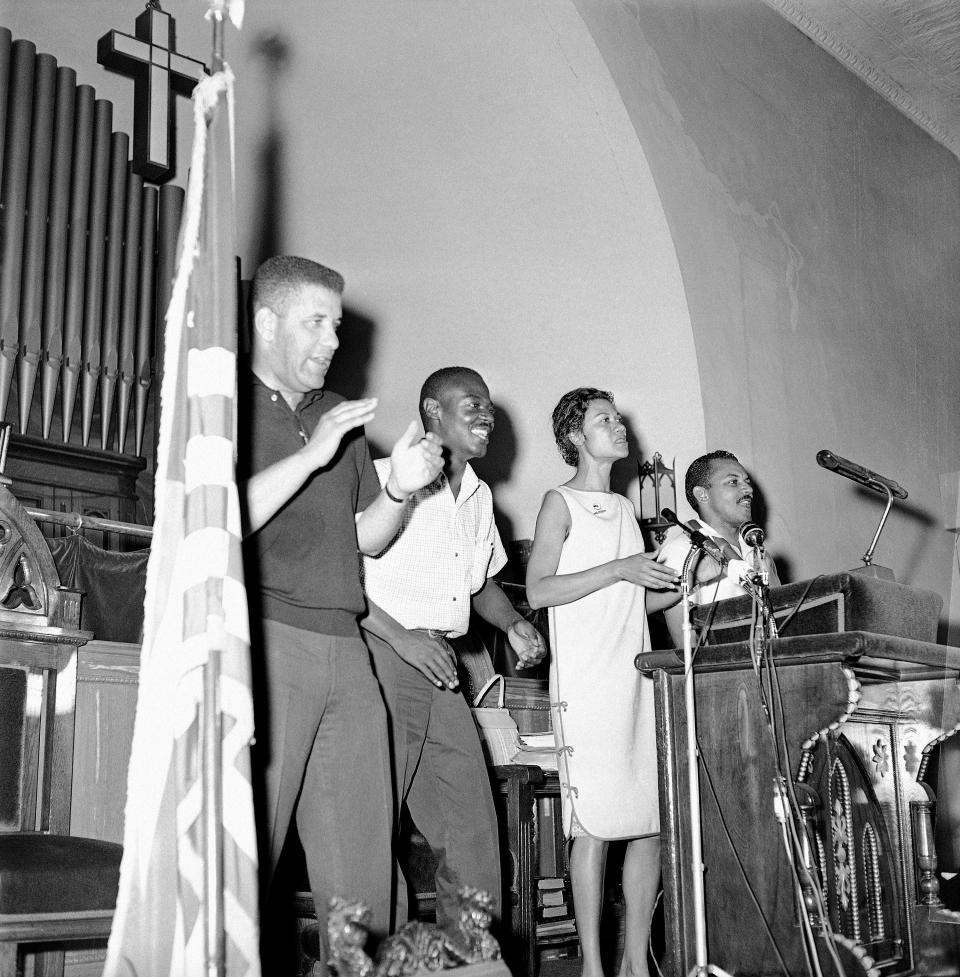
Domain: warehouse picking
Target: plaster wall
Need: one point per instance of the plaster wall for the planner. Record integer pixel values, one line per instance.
(817, 231)
(687, 202)
(472, 171)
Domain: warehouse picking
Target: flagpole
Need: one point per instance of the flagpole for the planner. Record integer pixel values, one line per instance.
(188, 895)
(213, 808)
(212, 720)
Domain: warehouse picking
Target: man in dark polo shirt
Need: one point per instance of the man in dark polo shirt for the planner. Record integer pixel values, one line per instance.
(307, 472)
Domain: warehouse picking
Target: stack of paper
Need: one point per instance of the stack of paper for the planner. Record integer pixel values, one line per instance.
(537, 750)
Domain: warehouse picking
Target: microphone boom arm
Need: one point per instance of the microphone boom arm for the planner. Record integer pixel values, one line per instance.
(868, 556)
(869, 479)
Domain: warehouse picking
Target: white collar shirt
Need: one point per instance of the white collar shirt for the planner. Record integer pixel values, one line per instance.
(711, 583)
(444, 552)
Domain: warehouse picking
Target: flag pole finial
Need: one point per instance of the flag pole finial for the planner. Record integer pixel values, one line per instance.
(217, 10)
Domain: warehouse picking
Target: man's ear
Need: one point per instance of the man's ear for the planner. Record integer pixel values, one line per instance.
(700, 493)
(575, 438)
(265, 323)
(430, 408)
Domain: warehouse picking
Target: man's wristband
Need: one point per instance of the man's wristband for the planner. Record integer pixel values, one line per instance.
(392, 497)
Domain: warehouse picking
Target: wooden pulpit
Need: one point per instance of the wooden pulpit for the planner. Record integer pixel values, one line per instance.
(852, 703)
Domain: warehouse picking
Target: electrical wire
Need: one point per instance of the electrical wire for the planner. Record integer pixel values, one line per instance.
(768, 686)
(736, 854)
(807, 940)
(770, 698)
(792, 818)
(777, 729)
(704, 631)
(786, 621)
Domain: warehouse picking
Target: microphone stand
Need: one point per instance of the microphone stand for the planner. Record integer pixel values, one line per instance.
(757, 584)
(693, 777)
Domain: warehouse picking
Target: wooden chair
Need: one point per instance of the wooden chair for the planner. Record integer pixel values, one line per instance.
(55, 889)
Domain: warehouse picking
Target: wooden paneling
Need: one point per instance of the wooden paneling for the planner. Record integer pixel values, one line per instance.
(107, 674)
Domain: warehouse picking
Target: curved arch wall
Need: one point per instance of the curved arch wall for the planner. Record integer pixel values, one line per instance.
(472, 170)
(690, 203)
(818, 233)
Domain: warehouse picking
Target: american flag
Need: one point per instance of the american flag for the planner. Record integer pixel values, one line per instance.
(188, 881)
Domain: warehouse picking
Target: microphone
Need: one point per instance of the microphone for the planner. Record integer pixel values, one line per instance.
(857, 473)
(751, 534)
(698, 539)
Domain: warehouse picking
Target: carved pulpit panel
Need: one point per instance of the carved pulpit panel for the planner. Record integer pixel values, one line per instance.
(857, 858)
(30, 592)
(39, 639)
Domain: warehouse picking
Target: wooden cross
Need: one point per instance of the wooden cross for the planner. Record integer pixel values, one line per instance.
(150, 58)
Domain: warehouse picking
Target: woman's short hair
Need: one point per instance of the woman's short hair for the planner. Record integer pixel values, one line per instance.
(568, 417)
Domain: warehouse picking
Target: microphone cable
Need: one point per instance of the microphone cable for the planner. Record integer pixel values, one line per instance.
(783, 766)
(771, 701)
(703, 633)
(736, 854)
(770, 697)
(793, 823)
(799, 604)
(704, 766)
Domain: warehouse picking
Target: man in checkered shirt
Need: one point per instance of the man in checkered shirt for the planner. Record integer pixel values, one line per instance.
(420, 591)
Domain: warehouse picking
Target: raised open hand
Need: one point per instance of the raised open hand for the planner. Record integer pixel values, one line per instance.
(334, 424)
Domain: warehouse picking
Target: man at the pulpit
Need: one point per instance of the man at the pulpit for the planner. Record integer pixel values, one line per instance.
(721, 493)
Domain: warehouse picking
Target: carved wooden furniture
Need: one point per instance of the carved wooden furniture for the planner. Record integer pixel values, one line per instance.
(54, 888)
(859, 710)
(517, 793)
(515, 790)
(106, 695)
(72, 479)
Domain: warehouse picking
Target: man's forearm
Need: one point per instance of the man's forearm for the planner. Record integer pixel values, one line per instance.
(378, 622)
(379, 523)
(431, 656)
(267, 492)
(493, 605)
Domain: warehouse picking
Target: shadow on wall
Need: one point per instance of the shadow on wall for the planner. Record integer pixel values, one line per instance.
(348, 373)
(921, 521)
(496, 467)
(760, 513)
(626, 472)
(274, 53)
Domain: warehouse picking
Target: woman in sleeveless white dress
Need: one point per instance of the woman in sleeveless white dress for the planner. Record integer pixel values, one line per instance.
(587, 565)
